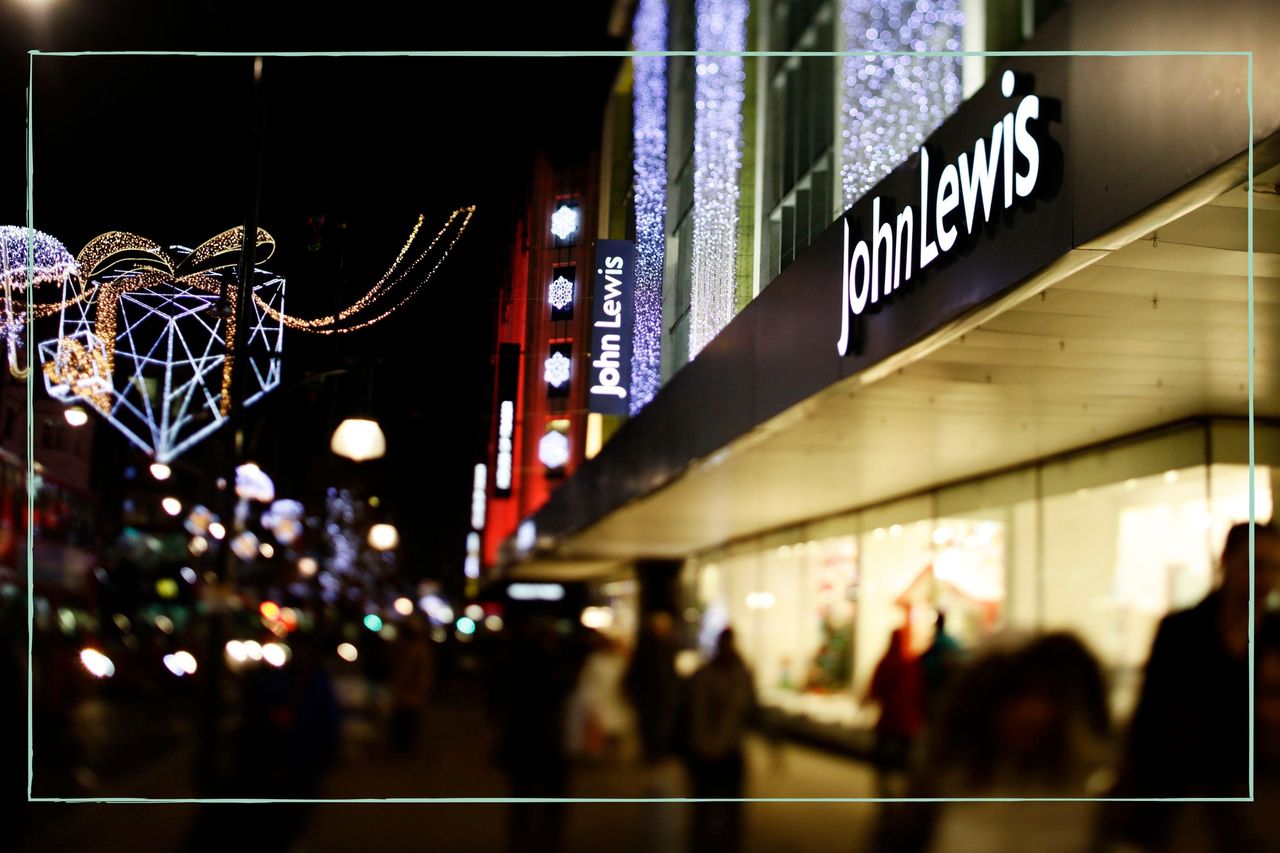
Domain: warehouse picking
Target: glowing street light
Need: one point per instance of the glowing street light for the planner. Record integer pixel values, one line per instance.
(359, 439)
(76, 416)
(383, 537)
(160, 471)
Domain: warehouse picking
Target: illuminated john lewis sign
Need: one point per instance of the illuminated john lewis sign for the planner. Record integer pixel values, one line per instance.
(611, 326)
(871, 272)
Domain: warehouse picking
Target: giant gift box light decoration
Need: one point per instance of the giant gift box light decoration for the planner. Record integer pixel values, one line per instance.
(141, 343)
(139, 340)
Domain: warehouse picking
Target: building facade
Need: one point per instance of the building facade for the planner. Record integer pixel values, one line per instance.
(954, 334)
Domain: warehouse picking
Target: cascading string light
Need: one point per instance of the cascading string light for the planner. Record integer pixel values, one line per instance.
(329, 325)
(649, 110)
(892, 103)
(719, 91)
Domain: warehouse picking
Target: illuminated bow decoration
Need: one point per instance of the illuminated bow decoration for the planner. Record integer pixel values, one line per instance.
(144, 264)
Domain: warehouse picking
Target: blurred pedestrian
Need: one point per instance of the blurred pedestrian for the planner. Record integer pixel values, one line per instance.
(1028, 718)
(535, 686)
(722, 704)
(412, 677)
(599, 718)
(897, 688)
(653, 686)
(1189, 735)
(938, 664)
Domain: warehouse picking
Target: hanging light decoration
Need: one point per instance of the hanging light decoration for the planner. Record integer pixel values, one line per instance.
(891, 101)
(649, 114)
(719, 91)
(132, 300)
(359, 439)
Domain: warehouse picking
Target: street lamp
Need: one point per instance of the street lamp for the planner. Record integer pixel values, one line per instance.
(76, 416)
(359, 439)
(383, 537)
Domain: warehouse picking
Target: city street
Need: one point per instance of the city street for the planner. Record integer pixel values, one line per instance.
(462, 766)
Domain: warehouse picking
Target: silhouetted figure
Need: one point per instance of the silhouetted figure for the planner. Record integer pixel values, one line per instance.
(897, 687)
(722, 704)
(539, 675)
(653, 687)
(290, 737)
(13, 720)
(412, 677)
(938, 664)
(1028, 719)
(1189, 736)
(599, 716)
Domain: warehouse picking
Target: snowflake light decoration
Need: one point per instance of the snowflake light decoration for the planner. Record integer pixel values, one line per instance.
(560, 293)
(553, 449)
(556, 370)
(564, 222)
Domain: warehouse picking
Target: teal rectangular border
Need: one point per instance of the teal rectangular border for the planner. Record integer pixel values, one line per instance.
(549, 54)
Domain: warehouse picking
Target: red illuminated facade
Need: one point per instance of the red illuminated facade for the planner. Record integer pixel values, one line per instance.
(543, 327)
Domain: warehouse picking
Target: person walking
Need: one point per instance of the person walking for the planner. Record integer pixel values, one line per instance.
(897, 687)
(1189, 734)
(722, 704)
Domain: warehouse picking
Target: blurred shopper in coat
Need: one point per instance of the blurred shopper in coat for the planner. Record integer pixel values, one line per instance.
(722, 704)
(412, 677)
(897, 688)
(1189, 736)
(1028, 718)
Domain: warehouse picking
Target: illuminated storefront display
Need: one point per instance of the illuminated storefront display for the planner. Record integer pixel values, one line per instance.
(815, 607)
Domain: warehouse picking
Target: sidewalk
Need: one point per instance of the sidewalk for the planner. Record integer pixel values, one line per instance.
(454, 758)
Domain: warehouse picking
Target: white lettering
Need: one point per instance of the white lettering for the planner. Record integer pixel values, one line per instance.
(947, 200)
(970, 182)
(985, 168)
(882, 233)
(928, 251)
(1027, 145)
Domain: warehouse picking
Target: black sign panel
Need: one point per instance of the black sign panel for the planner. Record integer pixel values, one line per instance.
(612, 316)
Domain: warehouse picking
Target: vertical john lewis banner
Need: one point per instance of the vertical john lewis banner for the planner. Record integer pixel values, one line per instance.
(612, 318)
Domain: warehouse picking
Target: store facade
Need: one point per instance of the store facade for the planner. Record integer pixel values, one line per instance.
(1010, 383)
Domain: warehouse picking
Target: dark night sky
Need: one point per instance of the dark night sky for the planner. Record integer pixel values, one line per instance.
(156, 145)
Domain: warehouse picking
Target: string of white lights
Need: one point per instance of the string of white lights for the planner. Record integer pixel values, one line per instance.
(891, 104)
(717, 159)
(649, 111)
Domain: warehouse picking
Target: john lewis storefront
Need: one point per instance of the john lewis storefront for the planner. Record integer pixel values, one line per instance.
(1009, 383)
